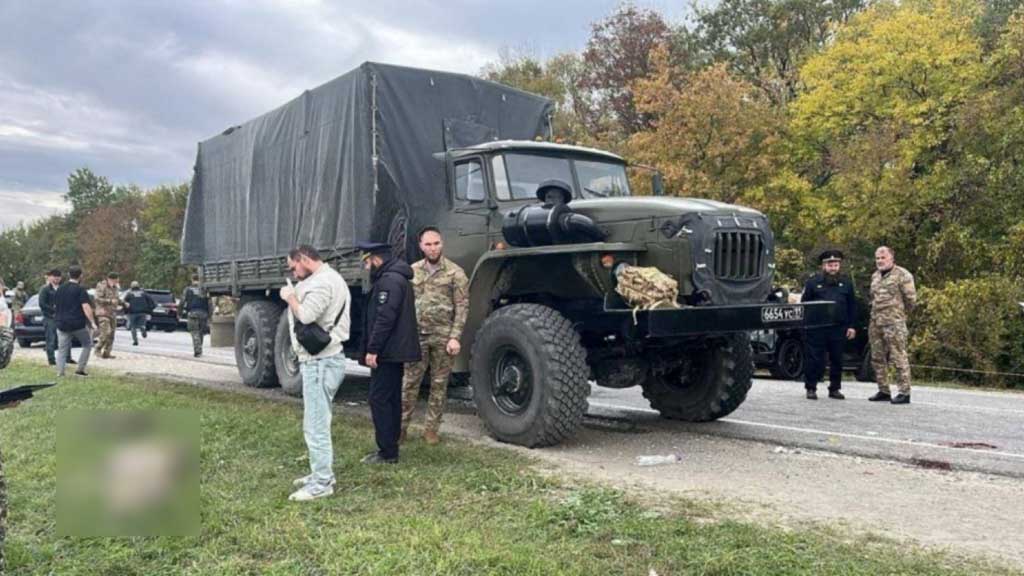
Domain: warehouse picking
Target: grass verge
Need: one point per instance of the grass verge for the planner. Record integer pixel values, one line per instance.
(452, 509)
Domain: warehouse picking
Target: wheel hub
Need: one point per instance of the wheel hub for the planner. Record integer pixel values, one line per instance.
(513, 382)
(249, 348)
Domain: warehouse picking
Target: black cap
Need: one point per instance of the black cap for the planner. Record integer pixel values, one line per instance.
(830, 255)
(556, 184)
(368, 248)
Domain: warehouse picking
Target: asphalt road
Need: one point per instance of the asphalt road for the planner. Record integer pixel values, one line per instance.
(942, 428)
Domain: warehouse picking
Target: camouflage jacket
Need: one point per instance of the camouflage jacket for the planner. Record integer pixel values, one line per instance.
(893, 296)
(107, 299)
(442, 298)
(19, 299)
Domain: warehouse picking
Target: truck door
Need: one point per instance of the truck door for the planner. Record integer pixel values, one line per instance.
(466, 238)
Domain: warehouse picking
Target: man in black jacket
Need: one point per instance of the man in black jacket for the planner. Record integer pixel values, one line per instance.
(48, 306)
(390, 339)
(138, 306)
(829, 285)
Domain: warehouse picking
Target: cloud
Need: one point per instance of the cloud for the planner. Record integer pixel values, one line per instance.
(22, 205)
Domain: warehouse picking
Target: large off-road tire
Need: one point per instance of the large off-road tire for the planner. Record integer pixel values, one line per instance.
(24, 343)
(529, 375)
(788, 363)
(866, 371)
(711, 385)
(286, 362)
(255, 328)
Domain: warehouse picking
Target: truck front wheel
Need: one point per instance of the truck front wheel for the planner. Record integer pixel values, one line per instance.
(255, 328)
(529, 375)
(712, 384)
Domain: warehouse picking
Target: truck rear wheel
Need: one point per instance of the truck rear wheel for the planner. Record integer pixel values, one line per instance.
(529, 375)
(255, 328)
(713, 384)
(286, 362)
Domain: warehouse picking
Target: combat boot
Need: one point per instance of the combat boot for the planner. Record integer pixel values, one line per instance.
(880, 397)
(431, 437)
(812, 395)
(901, 399)
(836, 395)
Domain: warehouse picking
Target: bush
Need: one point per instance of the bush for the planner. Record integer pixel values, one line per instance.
(973, 324)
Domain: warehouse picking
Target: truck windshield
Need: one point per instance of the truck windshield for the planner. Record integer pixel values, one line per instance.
(517, 176)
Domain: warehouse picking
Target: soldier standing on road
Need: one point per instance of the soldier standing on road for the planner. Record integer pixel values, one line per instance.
(196, 307)
(893, 296)
(138, 306)
(108, 303)
(830, 286)
(19, 298)
(390, 339)
(442, 303)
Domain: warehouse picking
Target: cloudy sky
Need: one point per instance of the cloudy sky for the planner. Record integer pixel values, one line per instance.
(127, 88)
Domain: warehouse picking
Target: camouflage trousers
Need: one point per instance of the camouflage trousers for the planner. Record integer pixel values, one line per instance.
(105, 341)
(3, 514)
(437, 360)
(197, 327)
(6, 346)
(889, 349)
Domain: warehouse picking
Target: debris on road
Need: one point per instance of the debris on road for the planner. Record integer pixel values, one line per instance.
(784, 450)
(658, 460)
(979, 445)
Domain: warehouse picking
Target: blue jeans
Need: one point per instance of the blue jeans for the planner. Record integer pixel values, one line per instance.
(320, 381)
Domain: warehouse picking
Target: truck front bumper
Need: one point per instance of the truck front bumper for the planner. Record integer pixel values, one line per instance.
(698, 320)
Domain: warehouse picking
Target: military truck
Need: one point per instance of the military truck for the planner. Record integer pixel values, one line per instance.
(384, 150)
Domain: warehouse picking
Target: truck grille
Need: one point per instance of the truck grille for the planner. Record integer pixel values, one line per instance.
(739, 255)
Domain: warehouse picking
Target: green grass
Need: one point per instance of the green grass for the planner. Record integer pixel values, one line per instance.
(453, 509)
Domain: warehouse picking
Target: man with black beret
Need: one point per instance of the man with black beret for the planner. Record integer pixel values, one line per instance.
(830, 286)
(390, 339)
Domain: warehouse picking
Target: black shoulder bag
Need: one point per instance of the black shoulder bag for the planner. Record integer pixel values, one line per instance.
(312, 337)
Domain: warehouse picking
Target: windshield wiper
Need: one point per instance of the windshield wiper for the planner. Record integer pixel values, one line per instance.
(595, 192)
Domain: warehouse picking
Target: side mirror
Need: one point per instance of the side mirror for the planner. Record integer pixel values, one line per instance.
(657, 184)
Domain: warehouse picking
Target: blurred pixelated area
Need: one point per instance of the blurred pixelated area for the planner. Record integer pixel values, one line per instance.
(128, 473)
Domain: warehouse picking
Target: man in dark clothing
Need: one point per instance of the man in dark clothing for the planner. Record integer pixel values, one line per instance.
(390, 339)
(48, 305)
(828, 285)
(138, 306)
(196, 306)
(74, 321)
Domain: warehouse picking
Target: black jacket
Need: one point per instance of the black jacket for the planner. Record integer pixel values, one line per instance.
(139, 303)
(841, 292)
(389, 316)
(48, 301)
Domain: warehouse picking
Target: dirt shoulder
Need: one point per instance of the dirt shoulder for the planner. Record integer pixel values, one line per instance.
(965, 513)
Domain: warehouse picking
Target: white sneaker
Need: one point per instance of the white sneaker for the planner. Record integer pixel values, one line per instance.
(308, 478)
(311, 492)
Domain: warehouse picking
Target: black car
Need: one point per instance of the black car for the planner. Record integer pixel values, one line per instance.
(29, 327)
(165, 315)
(781, 352)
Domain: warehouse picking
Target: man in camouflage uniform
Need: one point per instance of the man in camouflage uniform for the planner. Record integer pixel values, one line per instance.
(196, 306)
(442, 303)
(893, 296)
(19, 298)
(108, 302)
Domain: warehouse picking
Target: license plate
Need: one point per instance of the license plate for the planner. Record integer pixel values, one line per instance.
(160, 309)
(37, 318)
(776, 314)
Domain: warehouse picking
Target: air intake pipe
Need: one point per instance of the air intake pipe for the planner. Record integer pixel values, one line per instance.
(550, 223)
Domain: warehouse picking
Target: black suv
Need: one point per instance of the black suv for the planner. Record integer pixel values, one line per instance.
(781, 352)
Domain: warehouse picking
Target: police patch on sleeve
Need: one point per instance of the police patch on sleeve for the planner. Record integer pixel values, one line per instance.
(382, 297)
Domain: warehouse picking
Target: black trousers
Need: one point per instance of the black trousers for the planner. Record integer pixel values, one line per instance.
(386, 406)
(818, 343)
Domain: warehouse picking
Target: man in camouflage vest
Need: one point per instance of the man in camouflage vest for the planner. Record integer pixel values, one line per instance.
(108, 302)
(893, 296)
(19, 298)
(442, 304)
(195, 305)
